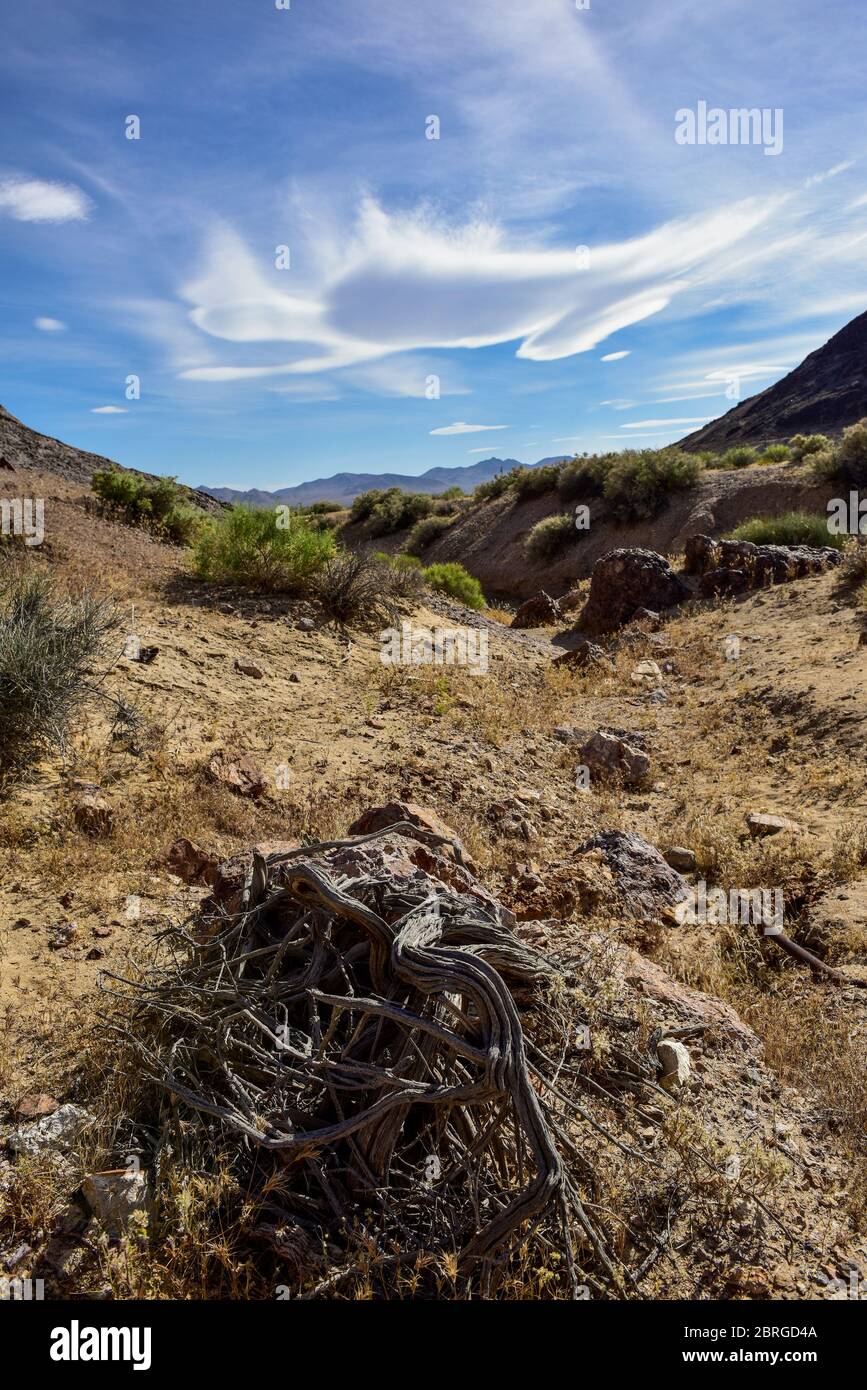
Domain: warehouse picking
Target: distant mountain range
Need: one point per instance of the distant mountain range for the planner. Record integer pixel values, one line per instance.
(344, 487)
(827, 392)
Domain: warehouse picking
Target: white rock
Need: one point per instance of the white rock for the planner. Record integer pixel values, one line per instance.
(675, 1062)
(115, 1197)
(52, 1131)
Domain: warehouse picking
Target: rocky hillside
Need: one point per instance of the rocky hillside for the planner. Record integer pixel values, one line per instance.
(22, 448)
(827, 392)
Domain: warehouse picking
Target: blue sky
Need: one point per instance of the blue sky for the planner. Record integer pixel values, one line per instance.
(708, 267)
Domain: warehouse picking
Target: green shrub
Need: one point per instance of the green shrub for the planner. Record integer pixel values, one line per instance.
(638, 481)
(157, 505)
(322, 508)
(775, 453)
(48, 648)
(391, 509)
(401, 562)
(740, 456)
(454, 580)
(425, 532)
(852, 454)
(825, 465)
(495, 487)
(253, 546)
(533, 482)
(451, 494)
(550, 536)
(584, 476)
(793, 528)
(801, 446)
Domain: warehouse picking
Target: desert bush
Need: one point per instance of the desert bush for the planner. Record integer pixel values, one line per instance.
(584, 476)
(801, 446)
(425, 532)
(156, 505)
(792, 528)
(825, 465)
(358, 589)
(451, 494)
(495, 487)
(533, 482)
(740, 456)
(322, 508)
(638, 481)
(454, 580)
(852, 454)
(549, 536)
(405, 574)
(775, 453)
(391, 509)
(251, 546)
(48, 647)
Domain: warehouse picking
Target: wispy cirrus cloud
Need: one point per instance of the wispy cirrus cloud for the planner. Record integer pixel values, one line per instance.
(461, 427)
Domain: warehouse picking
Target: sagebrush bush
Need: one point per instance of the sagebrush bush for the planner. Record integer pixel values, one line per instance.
(775, 453)
(550, 536)
(533, 482)
(639, 481)
(157, 505)
(802, 445)
(494, 487)
(317, 508)
(584, 476)
(740, 456)
(852, 454)
(265, 548)
(792, 528)
(454, 580)
(48, 647)
(390, 509)
(358, 589)
(425, 532)
(825, 465)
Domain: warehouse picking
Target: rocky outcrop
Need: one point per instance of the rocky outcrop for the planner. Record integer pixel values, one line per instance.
(727, 567)
(537, 611)
(648, 887)
(624, 581)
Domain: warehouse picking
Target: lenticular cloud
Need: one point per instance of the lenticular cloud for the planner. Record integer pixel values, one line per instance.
(405, 283)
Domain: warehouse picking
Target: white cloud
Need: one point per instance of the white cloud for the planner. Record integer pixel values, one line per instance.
(461, 427)
(405, 282)
(49, 325)
(35, 200)
(108, 410)
(614, 356)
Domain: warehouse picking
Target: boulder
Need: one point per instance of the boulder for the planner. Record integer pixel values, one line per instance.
(115, 1197)
(229, 877)
(680, 858)
(648, 887)
(674, 1063)
(624, 580)
(190, 862)
(585, 654)
(537, 611)
(700, 553)
(690, 1007)
(381, 817)
(58, 1130)
(723, 583)
(609, 757)
(761, 825)
(249, 668)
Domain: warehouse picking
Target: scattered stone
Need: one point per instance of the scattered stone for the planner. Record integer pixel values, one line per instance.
(238, 772)
(16, 1257)
(761, 825)
(35, 1106)
(305, 624)
(145, 655)
(648, 887)
(624, 580)
(61, 934)
(674, 1061)
(584, 653)
(680, 858)
(190, 862)
(537, 611)
(249, 668)
(862, 638)
(95, 953)
(55, 1131)
(115, 1197)
(647, 673)
(93, 815)
(294, 678)
(647, 615)
(608, 757)
(570, 601)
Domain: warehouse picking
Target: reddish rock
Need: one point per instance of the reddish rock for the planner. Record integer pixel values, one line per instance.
(190, 862)
(381, 817)
(230, 876)
(238, 772)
